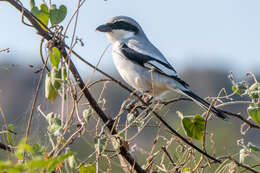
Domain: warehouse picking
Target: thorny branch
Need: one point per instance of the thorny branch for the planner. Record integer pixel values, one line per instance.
(215, 160)
(168, 155)
(246, 167)
(34, 101)
(144, 103)
(75, 73)
(48, 35)
(252, 125)
(242, 165)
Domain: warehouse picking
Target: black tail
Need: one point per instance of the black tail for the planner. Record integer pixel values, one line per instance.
(204, 104)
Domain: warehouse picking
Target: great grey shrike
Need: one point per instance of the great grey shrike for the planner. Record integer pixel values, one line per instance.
(142, 65)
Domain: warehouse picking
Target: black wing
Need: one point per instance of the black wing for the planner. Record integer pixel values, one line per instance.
(149, 62)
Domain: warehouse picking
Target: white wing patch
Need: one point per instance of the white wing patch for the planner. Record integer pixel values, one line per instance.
(161, 67)
(151, 62)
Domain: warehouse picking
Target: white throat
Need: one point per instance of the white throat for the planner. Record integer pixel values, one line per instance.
(118, 35)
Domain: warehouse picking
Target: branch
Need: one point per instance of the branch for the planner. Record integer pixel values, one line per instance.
(110, 123)
(242, 165)
(34, 101)
(235, 161)
(165, 103)
(182, 138)
(168, 155)
(241, 118)
(31, 18)
(157, 115)
(144, 103)
(99, 111)
(251, 167)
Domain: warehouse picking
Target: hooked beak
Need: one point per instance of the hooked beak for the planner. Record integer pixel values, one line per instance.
(104, 28)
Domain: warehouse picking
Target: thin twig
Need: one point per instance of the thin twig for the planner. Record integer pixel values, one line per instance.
(74, 14)
(174, 100)
(69, 141)
(41, 56)
(168, 155)
(34, 102)
(93, 72)
(91, 100)
(157, 115)
(241, 118)
(242, 165)
(93, 103)
(251, 167)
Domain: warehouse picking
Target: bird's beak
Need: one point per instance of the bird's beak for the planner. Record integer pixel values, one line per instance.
(104, 28)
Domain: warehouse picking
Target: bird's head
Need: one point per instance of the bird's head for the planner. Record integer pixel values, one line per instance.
(120, 27)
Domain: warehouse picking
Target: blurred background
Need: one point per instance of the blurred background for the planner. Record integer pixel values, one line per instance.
(204, 40)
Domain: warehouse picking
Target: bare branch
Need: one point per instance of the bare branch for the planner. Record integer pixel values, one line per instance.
(241, 118)
(242, 165)
(75, 73)
(168, 155)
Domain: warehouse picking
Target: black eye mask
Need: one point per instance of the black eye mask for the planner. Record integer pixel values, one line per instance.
(124, 26)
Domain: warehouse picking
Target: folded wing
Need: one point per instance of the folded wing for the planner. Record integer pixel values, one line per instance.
(151, 62)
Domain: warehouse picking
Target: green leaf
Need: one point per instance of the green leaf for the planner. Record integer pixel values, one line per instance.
(55, 56)
(42, 14)
(57, 15)
(10, 136)
(194, 128)
(38, 150)
(37, 164)
(186, 170)
(21, 148)
(56, 78)
(254, 91)
(236, 89)
(254, 113)
(16, 169)
(253, 147)
(50, 92)
(5, 164)
(64, 73)
(88, 168)
(122, 135)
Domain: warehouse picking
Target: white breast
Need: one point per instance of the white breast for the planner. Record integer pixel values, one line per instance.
(135, 75)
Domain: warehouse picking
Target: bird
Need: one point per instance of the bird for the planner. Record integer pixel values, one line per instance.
(142, 65)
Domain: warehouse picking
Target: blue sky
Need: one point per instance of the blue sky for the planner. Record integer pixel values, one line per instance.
(190, 33)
